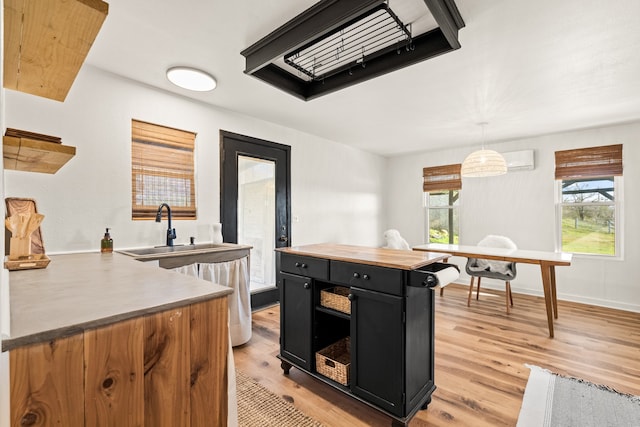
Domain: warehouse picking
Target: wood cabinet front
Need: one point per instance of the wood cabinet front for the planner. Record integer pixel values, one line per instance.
(163, 369)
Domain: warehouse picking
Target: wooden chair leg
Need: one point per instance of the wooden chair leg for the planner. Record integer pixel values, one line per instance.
(441, 291)
(510, 294)
(470, 292)
(478, 291)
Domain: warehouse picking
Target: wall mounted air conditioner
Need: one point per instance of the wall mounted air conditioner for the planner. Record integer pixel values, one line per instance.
(519, 160)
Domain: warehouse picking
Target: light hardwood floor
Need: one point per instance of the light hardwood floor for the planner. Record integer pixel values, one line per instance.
(480, 356)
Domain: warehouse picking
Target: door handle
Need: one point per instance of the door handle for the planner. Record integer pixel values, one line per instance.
(283, 238)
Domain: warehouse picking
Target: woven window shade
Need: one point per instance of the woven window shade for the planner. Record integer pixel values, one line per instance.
(589, 162)
(162, 171)
(439, 178)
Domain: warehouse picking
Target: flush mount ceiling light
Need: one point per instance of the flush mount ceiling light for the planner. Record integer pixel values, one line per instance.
(191, 79)
(338, 43)
(483, 162)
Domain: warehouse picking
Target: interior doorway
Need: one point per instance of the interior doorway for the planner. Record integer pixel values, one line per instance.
(255, 205)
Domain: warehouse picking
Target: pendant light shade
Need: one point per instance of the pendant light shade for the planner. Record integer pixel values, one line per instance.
(483, 162)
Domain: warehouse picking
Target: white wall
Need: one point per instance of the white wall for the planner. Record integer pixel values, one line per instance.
(521, 205)
(336, 190)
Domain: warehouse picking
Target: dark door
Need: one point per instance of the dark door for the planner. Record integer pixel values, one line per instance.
(295, 319)
(377, 349)
(255, 205)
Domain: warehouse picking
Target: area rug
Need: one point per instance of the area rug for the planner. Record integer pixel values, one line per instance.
(259, 407)
(554, 400)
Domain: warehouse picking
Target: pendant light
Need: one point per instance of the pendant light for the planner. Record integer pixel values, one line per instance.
(483, 162)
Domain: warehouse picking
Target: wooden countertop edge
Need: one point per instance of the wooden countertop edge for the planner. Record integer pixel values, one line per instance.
(300, 250)
(9, 343)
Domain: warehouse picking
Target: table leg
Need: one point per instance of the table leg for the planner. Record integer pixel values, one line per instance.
(554, 295)
(546, 286)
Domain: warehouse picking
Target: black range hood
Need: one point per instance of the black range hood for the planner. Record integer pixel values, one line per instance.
(338, 43)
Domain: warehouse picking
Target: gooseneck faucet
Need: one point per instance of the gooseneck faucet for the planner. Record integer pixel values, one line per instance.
(171, 232)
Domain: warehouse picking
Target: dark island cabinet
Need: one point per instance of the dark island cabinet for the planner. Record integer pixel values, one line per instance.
(295, 319)
(389, 326)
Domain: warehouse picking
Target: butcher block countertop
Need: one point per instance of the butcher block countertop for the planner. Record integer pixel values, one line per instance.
(77, 292)
(382, 257)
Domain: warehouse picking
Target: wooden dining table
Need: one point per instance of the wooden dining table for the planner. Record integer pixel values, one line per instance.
(546, 260)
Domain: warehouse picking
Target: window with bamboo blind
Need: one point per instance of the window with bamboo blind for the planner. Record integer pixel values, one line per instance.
(589, 180)
(441, 186)
(162, 171)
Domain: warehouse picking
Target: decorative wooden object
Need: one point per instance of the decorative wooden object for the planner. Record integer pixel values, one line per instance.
(31, 152)
(18, 205)
(163, 369)
(23, 223)
(46, 43)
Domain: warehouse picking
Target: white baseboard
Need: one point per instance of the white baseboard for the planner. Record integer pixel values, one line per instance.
(618, 305)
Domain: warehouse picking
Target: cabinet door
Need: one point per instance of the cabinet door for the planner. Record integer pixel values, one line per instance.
(377, 349)
(295, 319)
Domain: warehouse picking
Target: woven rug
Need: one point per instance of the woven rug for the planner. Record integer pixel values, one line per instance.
(554, 400)
(258, 407)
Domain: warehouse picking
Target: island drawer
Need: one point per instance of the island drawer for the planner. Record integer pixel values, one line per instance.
(381, 279)
(315, 268)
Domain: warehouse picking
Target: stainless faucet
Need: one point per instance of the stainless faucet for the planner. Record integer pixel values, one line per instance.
(171, 232)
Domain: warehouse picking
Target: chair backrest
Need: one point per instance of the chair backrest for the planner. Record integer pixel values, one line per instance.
(496, 269)
(394, 240)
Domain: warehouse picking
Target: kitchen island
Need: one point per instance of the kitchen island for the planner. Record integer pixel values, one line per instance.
(361, 320)
(102, 339)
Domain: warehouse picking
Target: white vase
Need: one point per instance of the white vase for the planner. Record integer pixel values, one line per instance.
(217, 233)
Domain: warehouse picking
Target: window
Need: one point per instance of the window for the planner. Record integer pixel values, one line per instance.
(589, 202)
(162, 171)
(441, 186)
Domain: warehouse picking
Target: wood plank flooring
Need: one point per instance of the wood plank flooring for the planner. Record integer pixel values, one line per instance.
(480, 353)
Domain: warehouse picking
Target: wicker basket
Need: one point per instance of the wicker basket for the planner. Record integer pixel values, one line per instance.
(336, 298)
(334, 361)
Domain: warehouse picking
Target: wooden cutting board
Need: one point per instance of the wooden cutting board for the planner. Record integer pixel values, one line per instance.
(17, 205)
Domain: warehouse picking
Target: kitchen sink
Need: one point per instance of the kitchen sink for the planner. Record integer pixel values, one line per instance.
(160, 250)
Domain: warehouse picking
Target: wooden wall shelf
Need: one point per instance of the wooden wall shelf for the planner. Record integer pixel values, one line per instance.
(32, 155)
(46, 43)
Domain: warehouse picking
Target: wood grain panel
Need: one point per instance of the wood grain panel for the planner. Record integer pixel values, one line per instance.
(114, 375)
(47, 54)
(166, 368)
(209, 347)
(46, 382)
(480, 353)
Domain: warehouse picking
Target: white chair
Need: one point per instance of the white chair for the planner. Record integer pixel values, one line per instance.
(394, 240)
(502, 270)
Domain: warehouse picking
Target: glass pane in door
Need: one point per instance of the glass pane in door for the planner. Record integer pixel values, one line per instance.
(256, 217)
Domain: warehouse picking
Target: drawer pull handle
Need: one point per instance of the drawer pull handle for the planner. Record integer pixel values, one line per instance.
(307, 286)
(351, 297)
(301, 265)
(356, 275)
(365, 276)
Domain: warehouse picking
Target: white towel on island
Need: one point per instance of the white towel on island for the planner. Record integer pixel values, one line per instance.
(235, 275)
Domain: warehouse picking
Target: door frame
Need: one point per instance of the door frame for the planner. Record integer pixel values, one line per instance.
(256, 148)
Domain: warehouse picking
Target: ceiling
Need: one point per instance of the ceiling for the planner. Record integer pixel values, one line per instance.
(525, 67)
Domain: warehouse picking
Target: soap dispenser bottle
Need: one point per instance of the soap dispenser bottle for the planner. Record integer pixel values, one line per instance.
(106, 244)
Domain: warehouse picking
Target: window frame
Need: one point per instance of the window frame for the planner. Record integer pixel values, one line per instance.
(158, 142)
(591, 164)
(446, 178)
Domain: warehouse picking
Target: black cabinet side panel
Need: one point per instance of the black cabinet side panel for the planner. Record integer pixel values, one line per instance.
(419, 344)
